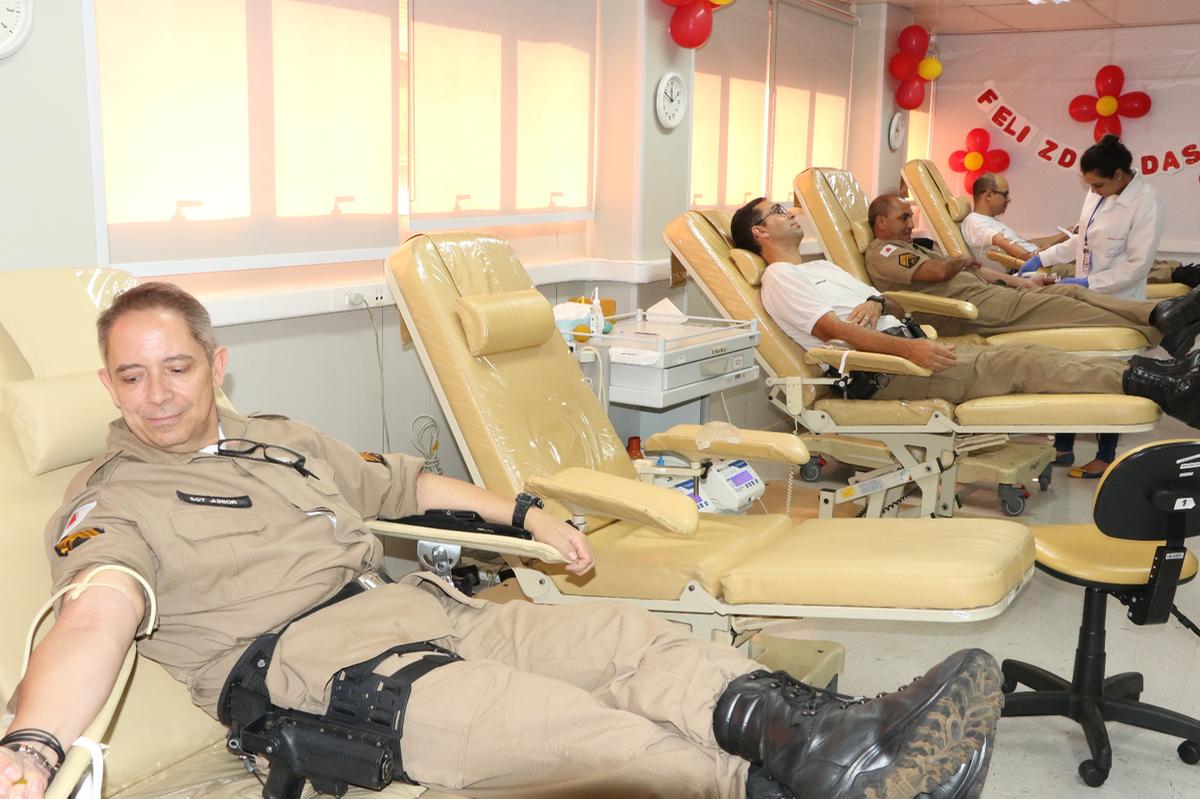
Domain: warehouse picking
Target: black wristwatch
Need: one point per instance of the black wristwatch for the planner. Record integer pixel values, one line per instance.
(525, 501)
(879, 299)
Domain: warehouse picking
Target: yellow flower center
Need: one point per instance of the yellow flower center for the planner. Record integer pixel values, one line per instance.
(1106, 106)
(973, 161)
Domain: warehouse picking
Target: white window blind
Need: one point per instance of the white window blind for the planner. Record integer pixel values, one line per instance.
(503, 99)
(809, 93)
(234, 129)
(729, 109)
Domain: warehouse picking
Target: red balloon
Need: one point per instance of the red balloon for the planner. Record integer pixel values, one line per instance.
(1110, 80)
(910, 94)
(903, 66)
(914, 40)
(978, 140)
(691, 24)
(1082, 108)
(996, 160)
(956, 160)
(1134, 104)
(970, 178)
(1107, 125)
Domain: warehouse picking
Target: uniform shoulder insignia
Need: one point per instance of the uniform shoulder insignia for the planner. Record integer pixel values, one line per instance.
(908, 260)
(71, 540)
(371, 457)
(887, 250)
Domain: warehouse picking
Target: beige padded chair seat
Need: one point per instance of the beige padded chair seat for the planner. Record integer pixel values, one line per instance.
(636, 561)
(958, 563)
(1077, 339)
(1160, 291)
(1058, 409)
(883, 412)
(1083, 552)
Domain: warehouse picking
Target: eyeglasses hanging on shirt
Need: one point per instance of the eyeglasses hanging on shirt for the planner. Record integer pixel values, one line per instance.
(271, 453)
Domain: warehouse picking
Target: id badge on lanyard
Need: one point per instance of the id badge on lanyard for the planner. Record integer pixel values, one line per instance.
(1085, 268)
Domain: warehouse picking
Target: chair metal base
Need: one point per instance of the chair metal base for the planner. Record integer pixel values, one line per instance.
(1091, 699)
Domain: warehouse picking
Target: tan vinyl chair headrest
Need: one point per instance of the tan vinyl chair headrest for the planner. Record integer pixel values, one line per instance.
(751, 265)
(505, 321)
(862, 234)
(59, 421)
(958, 207)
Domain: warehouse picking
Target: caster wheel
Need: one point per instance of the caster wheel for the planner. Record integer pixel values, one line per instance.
(1093, 776)
(810, 472)
(1044, 482)
(1189, 752)
(1013, 506)
(1008, 686)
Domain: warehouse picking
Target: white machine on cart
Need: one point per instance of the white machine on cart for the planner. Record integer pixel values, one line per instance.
(722, 487)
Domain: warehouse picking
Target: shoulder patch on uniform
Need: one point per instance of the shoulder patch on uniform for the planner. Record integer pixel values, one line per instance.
(887, 250)
(72, 540)
(76, 518)
(908, 260)
(372, 457)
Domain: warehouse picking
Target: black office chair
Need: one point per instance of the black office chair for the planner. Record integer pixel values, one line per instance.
(1147, 495)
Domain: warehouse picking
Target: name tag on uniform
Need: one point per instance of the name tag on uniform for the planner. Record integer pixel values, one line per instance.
(216, 502)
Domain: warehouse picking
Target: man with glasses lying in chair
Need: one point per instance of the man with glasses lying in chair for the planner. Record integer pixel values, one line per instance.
(1008, 303)
(250, 532)
(817, 301)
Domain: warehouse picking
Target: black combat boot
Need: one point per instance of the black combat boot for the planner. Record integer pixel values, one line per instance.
(931, 737)
(1187, 274)
(1172, 366)
(1177, 394)
(1178, 319)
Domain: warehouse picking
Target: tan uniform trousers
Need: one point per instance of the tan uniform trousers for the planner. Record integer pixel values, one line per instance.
(1160, 272)
(1013, 310)
(587, 701)
(1019, 369)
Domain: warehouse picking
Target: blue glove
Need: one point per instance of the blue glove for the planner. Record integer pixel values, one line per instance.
(1074, 281)
(1032, 265)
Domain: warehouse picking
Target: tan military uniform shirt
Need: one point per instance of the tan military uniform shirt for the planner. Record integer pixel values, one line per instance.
(235, 548)
(891, 265)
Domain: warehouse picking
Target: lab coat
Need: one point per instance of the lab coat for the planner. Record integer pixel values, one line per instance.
(1123, 238)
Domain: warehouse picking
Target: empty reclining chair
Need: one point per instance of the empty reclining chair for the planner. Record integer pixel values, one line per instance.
(946, 211)
(949, 436)
(55, 419)
(835, 203)
(525, 419)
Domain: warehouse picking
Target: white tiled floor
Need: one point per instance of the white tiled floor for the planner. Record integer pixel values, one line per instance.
(1037, 757)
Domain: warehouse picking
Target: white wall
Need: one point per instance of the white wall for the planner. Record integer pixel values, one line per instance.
(1039, 73)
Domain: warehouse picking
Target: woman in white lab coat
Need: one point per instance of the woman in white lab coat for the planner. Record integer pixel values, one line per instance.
(1113, 248)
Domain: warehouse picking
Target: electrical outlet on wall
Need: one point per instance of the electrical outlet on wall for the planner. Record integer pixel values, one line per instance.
(368, 295)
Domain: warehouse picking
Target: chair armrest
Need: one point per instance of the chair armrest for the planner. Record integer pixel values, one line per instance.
(1006, 260)
(754, 444)
(866, 362)
(619, 497)
(502, 544)
(79, 761)
(928, 303)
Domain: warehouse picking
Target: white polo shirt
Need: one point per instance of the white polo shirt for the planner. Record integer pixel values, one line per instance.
(797, 295)
(979, 230)
(1122, 238)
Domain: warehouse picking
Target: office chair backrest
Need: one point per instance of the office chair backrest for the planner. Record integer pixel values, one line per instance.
(1143, 489)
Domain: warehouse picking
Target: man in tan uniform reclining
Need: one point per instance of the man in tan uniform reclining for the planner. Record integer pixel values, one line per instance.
(817, 301)
(242, 525)
(1008, 303)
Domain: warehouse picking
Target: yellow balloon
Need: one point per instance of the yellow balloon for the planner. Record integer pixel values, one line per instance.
(1106, 106)
(721, 2)
(582, 333)
(929, 68)
(973, 161)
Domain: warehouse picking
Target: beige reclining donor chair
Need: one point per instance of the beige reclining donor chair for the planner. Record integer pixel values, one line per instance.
(962, 443)
(55, 418)
(835, 204)
(946, 211)
(525, 419)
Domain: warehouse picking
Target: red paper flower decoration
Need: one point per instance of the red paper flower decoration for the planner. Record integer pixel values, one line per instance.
(1109, 105)
(977, 158)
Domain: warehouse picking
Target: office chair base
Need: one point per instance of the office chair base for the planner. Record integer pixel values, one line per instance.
(1091, 699)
